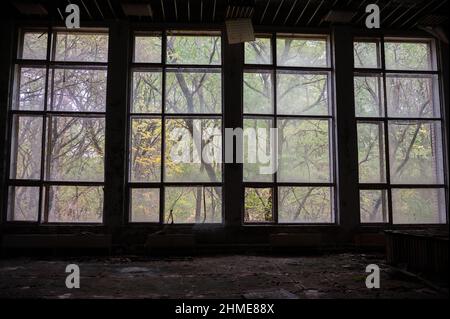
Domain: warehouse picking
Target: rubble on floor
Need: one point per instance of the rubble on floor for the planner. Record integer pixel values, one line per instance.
(236, 276)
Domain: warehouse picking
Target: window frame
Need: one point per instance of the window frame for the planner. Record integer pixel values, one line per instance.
(346, 211)
(44, 183)
(382, 72)
(274, 185)
(164, 67)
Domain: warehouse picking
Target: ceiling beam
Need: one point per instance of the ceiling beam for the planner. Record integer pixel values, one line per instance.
(301, 13)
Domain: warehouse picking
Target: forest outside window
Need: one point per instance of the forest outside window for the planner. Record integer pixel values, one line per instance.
(58, 127)
(176, 87)
(287, 86)
(400, 131)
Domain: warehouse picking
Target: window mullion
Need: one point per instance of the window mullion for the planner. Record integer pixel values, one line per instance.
(347, 144)
(9, 39)
(275, 126)
(233, 61)
(162, 190)
(43, 196)
(115, 125)
(386, 133)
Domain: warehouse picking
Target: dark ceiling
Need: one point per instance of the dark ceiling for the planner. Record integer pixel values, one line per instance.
(395, 14)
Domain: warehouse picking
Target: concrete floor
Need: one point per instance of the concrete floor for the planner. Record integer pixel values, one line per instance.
(236, 276)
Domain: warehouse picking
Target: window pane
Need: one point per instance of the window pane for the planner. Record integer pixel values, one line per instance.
(145, 165)
(190, 49)
(373, 205)
(304, 151)
(146, 95)
(258, 92)
(305, 205)
(366, 54)
(194, 204)
(258, 205)
(147, 49)
(75, 204)
(371, 153)
(412, 96)
(418, 206)
(368, 96)
(292, 51)
(86, 47)
(23, 204)
(145, 205)
(76, 148)
(408, 56)
(80, 90)
(34, 45)
(302, 94)
(415, 150)
(258, 51)
(194, 91)
(26, 147)
(31, 94)
(255, 145)
(193, 150)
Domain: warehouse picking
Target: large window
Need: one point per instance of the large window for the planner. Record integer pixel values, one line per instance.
(400, 129)
(287, 88)
(175, 128)
(172, 90)
(57, 127)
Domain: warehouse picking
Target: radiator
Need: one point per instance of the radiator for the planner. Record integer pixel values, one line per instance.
(419, 250)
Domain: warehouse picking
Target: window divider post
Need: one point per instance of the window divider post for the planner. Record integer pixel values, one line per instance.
(347, 211)
(116, 125)
(233, 62)
(6, 56)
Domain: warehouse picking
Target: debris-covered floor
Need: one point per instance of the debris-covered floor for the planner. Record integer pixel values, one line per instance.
(237, 276)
